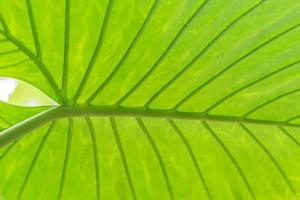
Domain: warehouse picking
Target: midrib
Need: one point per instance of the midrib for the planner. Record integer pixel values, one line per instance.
(59, 112)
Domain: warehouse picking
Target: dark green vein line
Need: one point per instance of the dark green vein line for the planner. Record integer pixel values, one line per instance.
(157, 153)
(96, 158)
(3, 24)
(35, 158)
(66, 160)
(6, 151)
(123, 157)
(198, 56)
(33, 28)
(161, 58)
(271, 157)
(250, 84)
(125, 56)
(96, 51)
(192, 155)
(251, 52)
(9, 52)
(292, 118)
(66, 48)
(289, 135)
(14, 64)
(83, 110)
(41, 66)
(253, 110)
(227, 152)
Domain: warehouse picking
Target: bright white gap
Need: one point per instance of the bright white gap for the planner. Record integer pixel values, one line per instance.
(7, 87)
(20, 93)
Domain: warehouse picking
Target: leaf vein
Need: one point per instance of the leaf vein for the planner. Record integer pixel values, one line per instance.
(251, 52)
(250, 84)
(96, 158)
(33, 28)
(96, 51)
(289, 135)
(66, 48)
(192, 155)
(34, 160)
(158, 155)
(198, 56)
(66, 160)
(125, 56)
(160, 59)
(123, 156)
(280, 170)
(253, 110)
(230, 156)
(41, 66)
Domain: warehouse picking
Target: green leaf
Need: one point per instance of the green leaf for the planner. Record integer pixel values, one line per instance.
(170, 99)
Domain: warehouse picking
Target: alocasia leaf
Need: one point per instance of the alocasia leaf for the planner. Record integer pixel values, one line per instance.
(161, 99)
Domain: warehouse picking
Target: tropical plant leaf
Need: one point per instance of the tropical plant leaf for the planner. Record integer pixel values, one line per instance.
(170, 99)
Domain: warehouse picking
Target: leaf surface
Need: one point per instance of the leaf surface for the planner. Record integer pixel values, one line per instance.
(173, 99)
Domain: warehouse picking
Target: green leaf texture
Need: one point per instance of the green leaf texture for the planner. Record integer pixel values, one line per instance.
(160, 99)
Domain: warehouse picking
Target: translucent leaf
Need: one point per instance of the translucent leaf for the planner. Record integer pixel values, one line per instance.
(170, 99)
